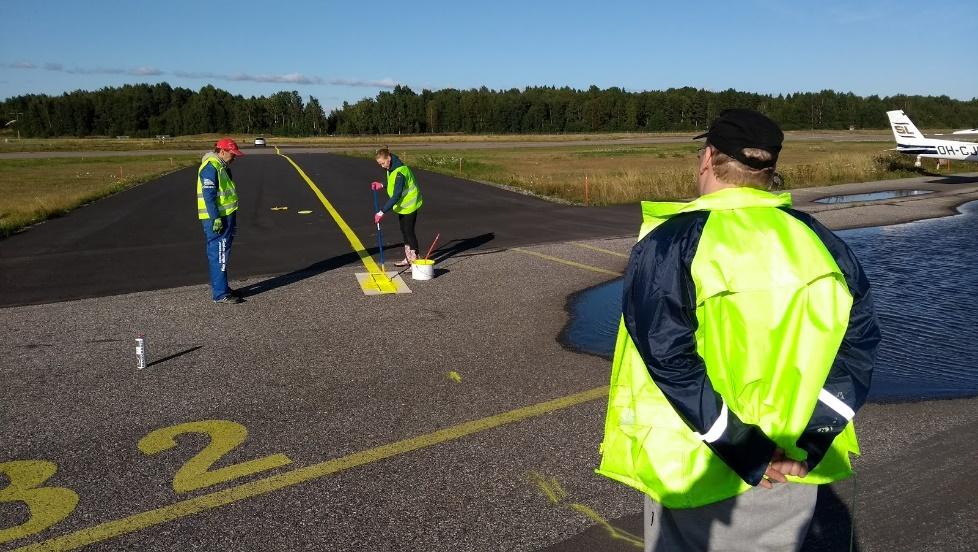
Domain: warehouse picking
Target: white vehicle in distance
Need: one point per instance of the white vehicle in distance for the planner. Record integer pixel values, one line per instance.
(259, 142)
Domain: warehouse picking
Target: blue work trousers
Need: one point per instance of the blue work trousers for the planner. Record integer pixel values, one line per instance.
(218, 250)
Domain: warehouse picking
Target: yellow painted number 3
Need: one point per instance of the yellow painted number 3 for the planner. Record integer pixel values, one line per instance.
(47, 505)
(196, 474)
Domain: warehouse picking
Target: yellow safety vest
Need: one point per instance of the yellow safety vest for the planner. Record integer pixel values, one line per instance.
(773, 382)
(411, 201)
(227, 195)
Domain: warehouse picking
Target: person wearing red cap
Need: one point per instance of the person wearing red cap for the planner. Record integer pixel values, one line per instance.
(217, 203)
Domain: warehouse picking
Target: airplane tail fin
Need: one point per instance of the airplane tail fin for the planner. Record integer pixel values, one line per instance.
(904, 130)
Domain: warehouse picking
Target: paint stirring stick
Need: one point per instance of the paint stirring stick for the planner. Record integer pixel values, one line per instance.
(432, 248)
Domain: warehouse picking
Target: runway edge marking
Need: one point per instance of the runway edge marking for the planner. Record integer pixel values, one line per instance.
(143, 520)
(566, 262)
(601, 249)
(355, 243)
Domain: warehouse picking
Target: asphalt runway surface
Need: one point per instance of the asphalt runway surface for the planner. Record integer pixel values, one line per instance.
(447, 419)
(149, 238)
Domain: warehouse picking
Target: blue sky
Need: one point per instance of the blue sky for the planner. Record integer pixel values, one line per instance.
(340, 51)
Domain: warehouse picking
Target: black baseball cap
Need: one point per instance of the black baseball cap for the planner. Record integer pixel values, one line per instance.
(736, 129)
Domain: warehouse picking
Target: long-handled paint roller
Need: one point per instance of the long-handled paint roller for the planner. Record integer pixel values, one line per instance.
(380, 241)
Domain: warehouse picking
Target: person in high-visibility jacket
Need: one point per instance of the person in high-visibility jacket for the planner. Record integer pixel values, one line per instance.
(746, 345)
(405, 200)
(217, 205)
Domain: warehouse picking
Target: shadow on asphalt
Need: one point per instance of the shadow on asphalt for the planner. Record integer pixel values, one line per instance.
(457, 247)
(310, 271)
(174, 355)
(447, 251)
(596, 537)
(830, 531)
(954, 179)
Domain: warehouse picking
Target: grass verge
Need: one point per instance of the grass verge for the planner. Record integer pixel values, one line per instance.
(9, 144)
(606, 175)
(32, 190)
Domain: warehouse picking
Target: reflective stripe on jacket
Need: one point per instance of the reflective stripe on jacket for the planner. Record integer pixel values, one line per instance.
(746, 327)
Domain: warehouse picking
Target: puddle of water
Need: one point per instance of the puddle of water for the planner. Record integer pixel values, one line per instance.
(925, 285)
(872, 196)
(594, 317)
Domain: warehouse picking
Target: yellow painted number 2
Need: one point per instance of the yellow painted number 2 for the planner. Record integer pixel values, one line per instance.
(47, 505)
(196, 474)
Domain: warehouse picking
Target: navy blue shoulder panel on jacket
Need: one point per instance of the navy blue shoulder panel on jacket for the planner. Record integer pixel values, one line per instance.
(849, 379)
(209, 185)
(659, 309)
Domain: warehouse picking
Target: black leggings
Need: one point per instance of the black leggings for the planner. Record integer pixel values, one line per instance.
(407, 230)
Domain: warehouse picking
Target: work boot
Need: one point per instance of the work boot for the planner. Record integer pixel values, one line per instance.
(405, 261)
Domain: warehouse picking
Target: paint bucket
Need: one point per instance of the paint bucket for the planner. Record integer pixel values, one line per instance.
(423, 269)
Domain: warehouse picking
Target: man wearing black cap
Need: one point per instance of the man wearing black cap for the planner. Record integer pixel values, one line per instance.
(746, 345)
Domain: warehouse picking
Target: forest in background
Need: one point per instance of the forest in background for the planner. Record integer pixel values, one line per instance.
(145, 110)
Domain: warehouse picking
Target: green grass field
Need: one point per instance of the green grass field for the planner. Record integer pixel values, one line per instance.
(10, 144)
(205, 141)
(605, 175)
(32, 190)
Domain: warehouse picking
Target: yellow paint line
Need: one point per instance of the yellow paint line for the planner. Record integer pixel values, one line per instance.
(566, 262)
(377, 284)
(355, 243)
(137, 522)
(601, 249)
(558, 496)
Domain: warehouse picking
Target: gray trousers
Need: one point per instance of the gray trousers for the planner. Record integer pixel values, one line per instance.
(759, 520)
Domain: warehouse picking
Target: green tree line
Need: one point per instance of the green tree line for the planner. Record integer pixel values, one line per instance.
(159, 109)
(149, 110)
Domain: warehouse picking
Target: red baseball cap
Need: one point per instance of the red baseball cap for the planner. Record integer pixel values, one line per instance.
(228, 144)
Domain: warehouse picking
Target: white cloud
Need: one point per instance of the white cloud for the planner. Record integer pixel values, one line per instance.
(288, 78)
(143, 71)
(299, 78)
(147, 71)
(382, 83)
(196, 75)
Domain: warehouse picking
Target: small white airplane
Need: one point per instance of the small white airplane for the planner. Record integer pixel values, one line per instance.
(911, 142)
